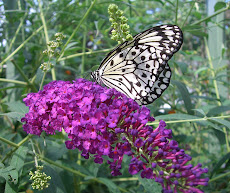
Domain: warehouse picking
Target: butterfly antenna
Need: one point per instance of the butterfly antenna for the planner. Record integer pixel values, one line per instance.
(86, 74)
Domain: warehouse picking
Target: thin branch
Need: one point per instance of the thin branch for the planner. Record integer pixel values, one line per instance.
(86, 53)
(19, 47)
(76, 29)
(209, 17)
(188, 14)
(13, 81)
(191, 120)
(216, 88)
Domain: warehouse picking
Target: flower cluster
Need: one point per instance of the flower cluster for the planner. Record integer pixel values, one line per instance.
(52, 51)
(104, 122)
(40, 179)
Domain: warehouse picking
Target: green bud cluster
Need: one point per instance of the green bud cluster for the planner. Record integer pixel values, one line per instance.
(45, 66)
(52, 51)
(120, 32)
(40, 179)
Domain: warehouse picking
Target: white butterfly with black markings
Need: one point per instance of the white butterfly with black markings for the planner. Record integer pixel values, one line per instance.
(139, 68)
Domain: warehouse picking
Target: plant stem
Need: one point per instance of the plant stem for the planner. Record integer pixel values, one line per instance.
(188, 14)
(216, 89)
(43, 78)
(19, 47)
(86, 53)
(24, 76)
(72, 170)
(213, 73)
(35, 156)
(176, 15)
(16, 146)
(60, 166)
(8, 142)
(209, 17)
(43, 21)
(46, 35)
(83, 51)
(218, 177)
(13, 81)
(76, 29)
(192, 120)
(16, 33)
(25, 139)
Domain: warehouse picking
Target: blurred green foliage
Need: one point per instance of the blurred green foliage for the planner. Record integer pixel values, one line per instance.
(196, 106)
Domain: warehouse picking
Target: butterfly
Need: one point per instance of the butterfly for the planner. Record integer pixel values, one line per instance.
(139, 68)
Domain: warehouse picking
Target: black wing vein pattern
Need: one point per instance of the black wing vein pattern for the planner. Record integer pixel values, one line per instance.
(139, 68)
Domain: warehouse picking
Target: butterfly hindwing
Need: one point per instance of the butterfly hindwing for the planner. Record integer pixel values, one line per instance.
(139, 68)
(159, 86)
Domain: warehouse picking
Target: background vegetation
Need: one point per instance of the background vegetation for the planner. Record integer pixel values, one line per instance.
(196, 106)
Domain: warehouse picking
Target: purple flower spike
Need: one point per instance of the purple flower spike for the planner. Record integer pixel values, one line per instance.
(103, 122)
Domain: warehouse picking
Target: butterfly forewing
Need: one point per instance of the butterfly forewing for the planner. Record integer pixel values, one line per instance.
(139, 68)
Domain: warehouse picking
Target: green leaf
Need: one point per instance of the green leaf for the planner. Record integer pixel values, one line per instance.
(224, 159)
(188, 117)
(196, 30)
(202, 69)
(71, 45)
(199, 33)
(185, 96)
(150, 185)
(95, 67)
(214, 126)
(11, 176)
(183, 66)
(204, 97)
(110, 185)
(14, 115)
(18, 159)
(222, 122)
(200, 111)
(192, 27)
(1, 165)
(219, 5)
(223, 52)
(56, 184)
(39, 76)
(218, 110)
(176, 116)
(7, 172)
(10, 188)
(94, 168)
(18, 110)
(51, 152)
(198, 15)
(17, 106)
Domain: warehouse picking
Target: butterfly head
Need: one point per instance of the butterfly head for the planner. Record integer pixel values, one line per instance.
(96, 76)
